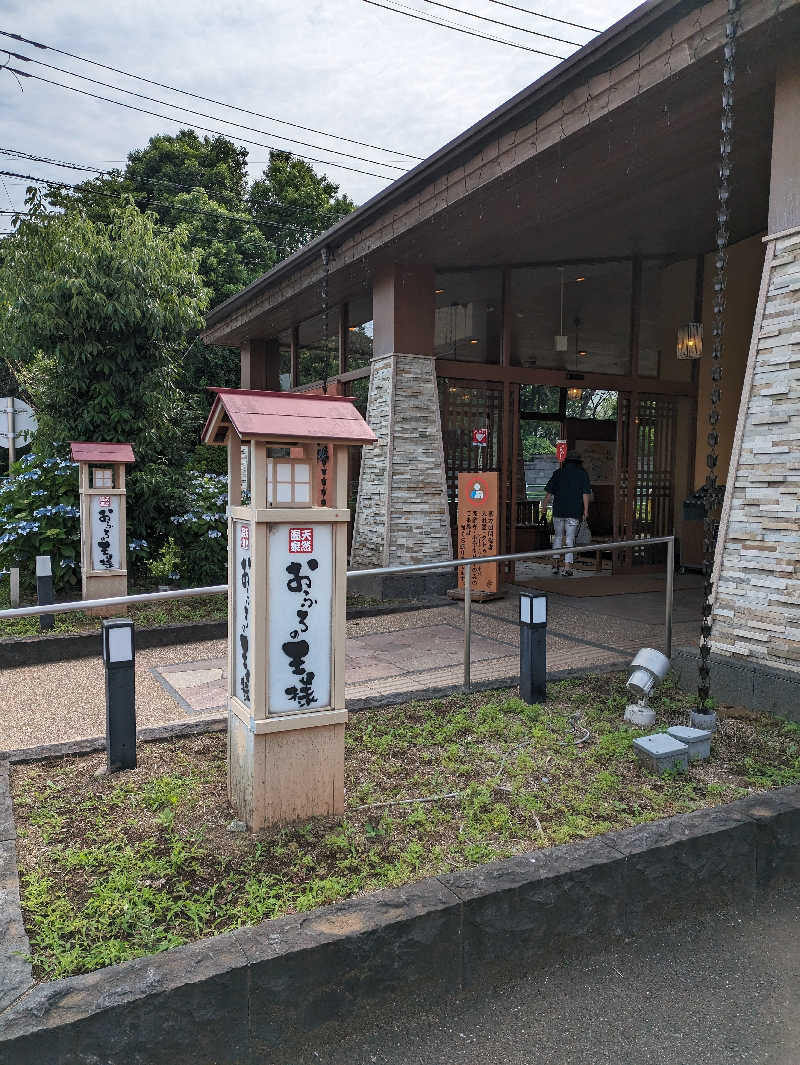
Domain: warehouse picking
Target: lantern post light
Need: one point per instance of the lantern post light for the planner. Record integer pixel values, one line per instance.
(118, 659)
(287, 584)
(533, 647)
(101, 481)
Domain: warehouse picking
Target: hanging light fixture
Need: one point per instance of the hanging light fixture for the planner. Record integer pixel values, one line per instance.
(561, 339)
(574, 393)
(690, 341)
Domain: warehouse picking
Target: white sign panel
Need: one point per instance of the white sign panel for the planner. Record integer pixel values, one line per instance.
(24, 422)
(300, 584)
(105, 532)
(242, 650)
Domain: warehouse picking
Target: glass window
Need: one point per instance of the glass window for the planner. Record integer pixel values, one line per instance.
(581, 325)
(102, 478)
(539, 399)
(359, 332)
(469, 315)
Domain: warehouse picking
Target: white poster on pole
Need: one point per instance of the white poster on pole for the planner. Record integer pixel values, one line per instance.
(242, 650)
(300, 583)
(105, 533)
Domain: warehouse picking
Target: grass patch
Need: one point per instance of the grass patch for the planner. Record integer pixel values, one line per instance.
(119, 867)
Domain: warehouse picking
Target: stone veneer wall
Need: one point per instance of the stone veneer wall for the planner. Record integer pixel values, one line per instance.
(756, 615)
(402, 514)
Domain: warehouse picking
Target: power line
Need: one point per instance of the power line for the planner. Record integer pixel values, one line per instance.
(499, 22)
(203, 114)
(550, 18)
(412, 12)
(182, 122)
(242, 219)
(206, 99)
(143, 179)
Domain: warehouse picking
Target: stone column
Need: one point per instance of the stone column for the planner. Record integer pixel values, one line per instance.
(756, 611)
(402, 515)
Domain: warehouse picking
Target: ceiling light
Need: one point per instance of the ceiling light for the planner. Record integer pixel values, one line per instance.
(438, 291)
(580, 278)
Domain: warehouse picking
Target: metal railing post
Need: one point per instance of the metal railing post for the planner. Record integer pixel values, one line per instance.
(670, 596)
(467, 622)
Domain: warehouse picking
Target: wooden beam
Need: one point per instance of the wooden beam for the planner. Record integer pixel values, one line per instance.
(480, 371)
(344, 335)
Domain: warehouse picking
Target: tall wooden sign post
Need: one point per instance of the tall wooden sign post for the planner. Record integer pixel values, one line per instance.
(287, 573)
(478, 531)
(104, 549)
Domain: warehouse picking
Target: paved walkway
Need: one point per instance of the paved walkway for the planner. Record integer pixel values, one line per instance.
(392, 656)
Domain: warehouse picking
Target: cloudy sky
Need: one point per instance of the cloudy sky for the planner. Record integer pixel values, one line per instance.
(342, 66)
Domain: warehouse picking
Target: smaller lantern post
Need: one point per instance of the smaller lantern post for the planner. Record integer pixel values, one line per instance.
(104, 548)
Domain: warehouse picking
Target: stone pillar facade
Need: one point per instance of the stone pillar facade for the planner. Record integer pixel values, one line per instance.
(402, 514)
(756, 615)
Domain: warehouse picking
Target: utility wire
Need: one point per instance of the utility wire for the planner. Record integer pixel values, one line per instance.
(498, 22)
(16, 154)
(412, 12)
(221, 215)
(206, 99)
(550, 18)
(182, 122)
(204, 114)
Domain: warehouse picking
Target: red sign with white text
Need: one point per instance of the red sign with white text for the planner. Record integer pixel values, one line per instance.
(561, 450)
(480, 437)
(301, 541)
(244, 537)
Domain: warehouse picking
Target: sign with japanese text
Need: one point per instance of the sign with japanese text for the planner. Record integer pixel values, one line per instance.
(242, 606)
(480, 437)
(300, 584)
(561, 450)
(478, 527)
(301, 541)
(105, 533)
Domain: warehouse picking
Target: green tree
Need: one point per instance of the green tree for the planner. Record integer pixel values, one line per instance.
(292, 204)
(93, 318)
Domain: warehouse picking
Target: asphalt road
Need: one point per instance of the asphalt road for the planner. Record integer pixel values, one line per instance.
(713, 991)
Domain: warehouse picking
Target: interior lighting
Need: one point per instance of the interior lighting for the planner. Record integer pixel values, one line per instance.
(690, 341)
(580, 279)
(574, 393)
(583, 353)
(473, 341)
(438, 291)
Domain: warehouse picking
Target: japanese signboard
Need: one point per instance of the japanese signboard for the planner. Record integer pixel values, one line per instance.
(480, 437)
(478, 527)
(105, 533)
(242, 649)
(561, 450)
(300, 582)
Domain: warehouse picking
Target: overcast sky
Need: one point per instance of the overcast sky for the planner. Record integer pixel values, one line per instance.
(341, 66)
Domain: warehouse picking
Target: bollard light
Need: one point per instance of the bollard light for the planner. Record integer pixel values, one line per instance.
(533, 647)
(44, 590)
(118, 659)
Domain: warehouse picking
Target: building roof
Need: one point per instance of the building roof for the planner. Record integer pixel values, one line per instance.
(98, 451)
(285, 416)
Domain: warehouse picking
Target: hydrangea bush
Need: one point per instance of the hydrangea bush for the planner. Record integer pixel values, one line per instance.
(201, 530)
(39, 515)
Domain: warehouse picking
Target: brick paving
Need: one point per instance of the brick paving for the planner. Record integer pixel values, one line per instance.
(388, 656)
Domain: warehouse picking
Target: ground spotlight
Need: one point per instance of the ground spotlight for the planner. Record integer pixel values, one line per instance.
(648, 669)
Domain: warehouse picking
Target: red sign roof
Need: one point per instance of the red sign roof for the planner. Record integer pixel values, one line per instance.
(285, 416)
(101, 452)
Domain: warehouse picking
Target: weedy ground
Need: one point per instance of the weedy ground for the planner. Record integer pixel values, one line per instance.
(118, 867)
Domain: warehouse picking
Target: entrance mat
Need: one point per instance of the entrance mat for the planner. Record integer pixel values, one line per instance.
(623, 584)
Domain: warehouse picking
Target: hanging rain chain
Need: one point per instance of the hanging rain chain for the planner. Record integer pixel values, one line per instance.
(713, 492)
(326, 263)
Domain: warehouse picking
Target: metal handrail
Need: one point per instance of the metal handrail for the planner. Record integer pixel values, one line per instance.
(422, 567)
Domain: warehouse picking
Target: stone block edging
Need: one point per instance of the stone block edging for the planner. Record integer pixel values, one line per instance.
(231, 999)
(747, 683)
(38, 650)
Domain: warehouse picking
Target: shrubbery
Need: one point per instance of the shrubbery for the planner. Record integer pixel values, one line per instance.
(39, 515)
(200, 532)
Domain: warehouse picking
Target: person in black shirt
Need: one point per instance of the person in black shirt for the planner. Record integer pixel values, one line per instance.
(570, 491)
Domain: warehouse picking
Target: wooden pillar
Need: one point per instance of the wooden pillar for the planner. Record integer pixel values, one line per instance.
(344, 334)
(404, 310)
(633, 420)
(294, 357)
(784, 186)
(261, 363)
